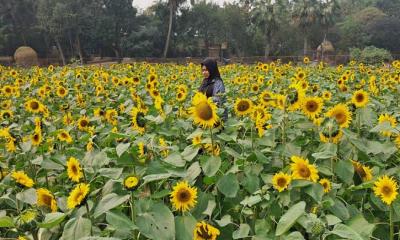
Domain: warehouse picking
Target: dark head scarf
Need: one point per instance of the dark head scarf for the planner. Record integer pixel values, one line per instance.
(212, 68)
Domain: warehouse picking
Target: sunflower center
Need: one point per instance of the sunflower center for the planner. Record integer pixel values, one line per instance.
(6, 115)
(35, 137)
(360, 97)
(184, 195)
(8, 90)
(304, 172)
(64, 135)
(84, 123)
(62, 91)
(386, 190)
(361, 172)
(312, 106)
(340, 117)
(243, 106)
(34, 105)
(74, 169)
(46, 199)
(203, 233)
(204, 111)
(282, 182)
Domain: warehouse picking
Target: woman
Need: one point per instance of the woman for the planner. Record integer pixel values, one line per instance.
(212, 85)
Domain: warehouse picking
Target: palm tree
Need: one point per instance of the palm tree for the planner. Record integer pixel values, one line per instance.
(173, 7)
(267, 13)
(305, 14)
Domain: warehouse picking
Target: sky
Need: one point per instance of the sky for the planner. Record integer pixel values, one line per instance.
(143, 4)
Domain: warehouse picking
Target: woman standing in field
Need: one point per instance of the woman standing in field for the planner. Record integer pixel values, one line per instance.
(212, 85)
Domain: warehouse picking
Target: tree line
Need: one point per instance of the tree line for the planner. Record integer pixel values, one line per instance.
(182, 28)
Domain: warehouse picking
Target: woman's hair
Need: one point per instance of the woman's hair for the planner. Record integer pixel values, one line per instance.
(212, 67)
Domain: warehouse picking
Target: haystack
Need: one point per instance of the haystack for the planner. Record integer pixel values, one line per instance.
(26, 57)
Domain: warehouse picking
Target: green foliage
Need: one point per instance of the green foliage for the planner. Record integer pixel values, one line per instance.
(370, 55)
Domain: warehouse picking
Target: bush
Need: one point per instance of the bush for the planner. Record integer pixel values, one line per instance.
(370, 55)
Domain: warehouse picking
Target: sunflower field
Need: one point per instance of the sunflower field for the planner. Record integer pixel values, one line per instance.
(133, 151)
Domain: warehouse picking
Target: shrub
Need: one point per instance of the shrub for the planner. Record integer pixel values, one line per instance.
(370, 55)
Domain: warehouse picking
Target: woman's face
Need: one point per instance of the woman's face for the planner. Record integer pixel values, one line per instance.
(205, 72)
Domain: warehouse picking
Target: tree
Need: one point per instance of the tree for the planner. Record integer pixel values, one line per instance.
(268, 13)
(305, 14)
(173, 7)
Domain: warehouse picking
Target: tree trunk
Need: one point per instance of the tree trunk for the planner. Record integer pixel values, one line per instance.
(79, 48)
(60, 51)
(171, 18)
(267, 46)
(305, 45)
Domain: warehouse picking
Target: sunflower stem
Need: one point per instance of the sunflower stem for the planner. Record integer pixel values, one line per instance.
(391, 235)
(212, 141)
(252, 139)
(132, 208)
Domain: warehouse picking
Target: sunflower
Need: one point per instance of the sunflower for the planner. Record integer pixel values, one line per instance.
(196, 140)
(45, 198)
(360, 98)
(326, 184)
(386, 188)
(330, 131)
(243, 106)
(326, 95)
(33, 106)
(89, 146)
(281, 181)
(204, 231)
(36, 138)
(61, 91)
(255, 87)
(21, 178)
(64, 136)
(306, 60)
(138, 120)
(397, 141)
(6, 114)
(131, 182)
(74, 169)
(183, 196)
(267, 98)
(83, 123)
(300, 75)
(203, 111)
(341, 114)
(78, 195)
(215, 151)
(181, 96)
(111, 116)
(387, 118)
(364, 172)
(6, 104)
(312, 106)
(260, 114)
(302, 169)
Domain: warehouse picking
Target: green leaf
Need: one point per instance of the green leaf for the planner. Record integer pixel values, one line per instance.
(184, 226)
(242, 232)
(346, 232)
(28, 196)
(251, 200)
(327, 150)
(332, 220)
(112, 173)
(193, 172)
(120, 221)
(156, 177)
(290, 150)
(294, 236)
(345, 171)
(6, 222)
(121, 148)
(52, 219)
(77, 228)
(210, 207)
(210, 165)
(157, 221)
(108, 202)
(289, 218)
(225, 220)
(190, 152)
(175, 159)
(361, 226)
(316, 191)
(228, 185)
(340, 210)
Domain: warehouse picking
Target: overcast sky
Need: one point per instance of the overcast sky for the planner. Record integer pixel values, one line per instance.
(143, 4)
